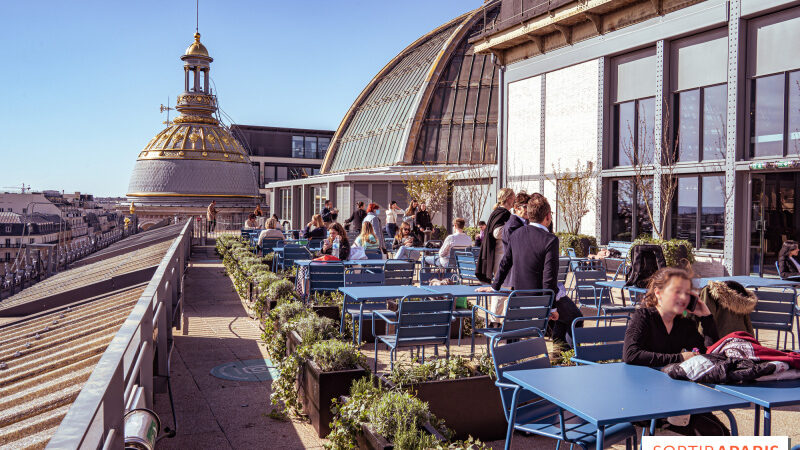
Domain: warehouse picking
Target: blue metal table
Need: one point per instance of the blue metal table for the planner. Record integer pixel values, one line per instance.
(749, 282)
(424, 249)
(363, 293)
(463, 290)
(620, 284)
(766, 394)
(634, 393)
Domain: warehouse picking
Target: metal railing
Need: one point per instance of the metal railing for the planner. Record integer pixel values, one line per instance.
(124, 377)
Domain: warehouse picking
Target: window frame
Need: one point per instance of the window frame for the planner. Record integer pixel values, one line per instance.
(676, 124)
(615, 156)
(785, 133)
(635, 232)
(701, 179)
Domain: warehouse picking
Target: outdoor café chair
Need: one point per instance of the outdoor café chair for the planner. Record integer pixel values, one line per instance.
(268, 245)
(373, 253)
(587, 294)
(421, 320)
(398, 272)
(315, 244)
(601, 343)
(530, 413)
(286, 257)
(775, 311)
(325, 276)
(363, 276)
(466, 265)
(525, 310)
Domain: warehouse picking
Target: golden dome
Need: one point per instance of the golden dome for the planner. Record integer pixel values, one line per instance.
(196, 49)
(192, 139)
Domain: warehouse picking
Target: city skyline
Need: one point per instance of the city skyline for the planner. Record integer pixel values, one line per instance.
(84, 85)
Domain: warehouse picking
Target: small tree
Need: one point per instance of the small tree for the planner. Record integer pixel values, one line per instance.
(470, 199)
(430, 187)
(574, 193)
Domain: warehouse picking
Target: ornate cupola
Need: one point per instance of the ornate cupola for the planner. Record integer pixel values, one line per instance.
(194, 159)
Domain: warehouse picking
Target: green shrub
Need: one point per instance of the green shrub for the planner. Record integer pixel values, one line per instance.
(349, 416)
(472, 232)
(332, 355)
(675, 250)
(280, 288)
(432, 370)
(569, 240)
(396, 411)
(442, 231)
(312, 328)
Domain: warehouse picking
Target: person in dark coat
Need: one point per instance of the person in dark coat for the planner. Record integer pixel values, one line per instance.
(518, 219)
(481, 233)
(788, 266)
(489, 258)
(423, 220)
(532, 259)
(356, 218)
(660, 333)
(329, 213)
(731, 305)
(336, 230)
(316, 228)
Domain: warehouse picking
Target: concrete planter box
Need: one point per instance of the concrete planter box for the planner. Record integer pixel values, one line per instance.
(369, 439)
(317, 389)
(482, 416)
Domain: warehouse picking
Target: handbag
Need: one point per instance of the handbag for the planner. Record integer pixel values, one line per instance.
(357, 253)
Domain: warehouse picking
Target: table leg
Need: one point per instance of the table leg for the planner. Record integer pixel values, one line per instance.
(767, 422)
(756, 420)
(734, 428)
(601, 434)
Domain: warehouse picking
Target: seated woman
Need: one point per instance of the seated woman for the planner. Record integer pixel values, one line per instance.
(662, 331)
(787, 264)
(336, 230)
(367, 238)
(404, 239)
(251, 223)
(271, 231)
(316, 228)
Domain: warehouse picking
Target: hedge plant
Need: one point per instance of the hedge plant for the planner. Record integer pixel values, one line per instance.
(569, 240)
(674, 250)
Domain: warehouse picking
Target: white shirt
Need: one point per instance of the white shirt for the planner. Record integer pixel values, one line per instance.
(457, 239)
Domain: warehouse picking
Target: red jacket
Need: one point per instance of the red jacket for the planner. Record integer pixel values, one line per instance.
(742, 345)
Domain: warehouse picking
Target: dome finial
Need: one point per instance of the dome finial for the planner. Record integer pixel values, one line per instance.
(196, 37)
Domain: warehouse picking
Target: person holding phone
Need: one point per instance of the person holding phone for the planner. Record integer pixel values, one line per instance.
(663, 330)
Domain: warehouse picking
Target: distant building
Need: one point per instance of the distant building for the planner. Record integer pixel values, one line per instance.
(194, 160)
(280, 154)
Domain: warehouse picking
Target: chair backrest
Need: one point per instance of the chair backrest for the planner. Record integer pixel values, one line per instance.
(591, 264)
(325, 276)
(361, 276)
(600, 343)
(315, 244)
(424, 318)
(528, 309)
(466, 264)
(476, 251)
(292, 252)
(563, 269)
(268, 245)
(373, 253)
(519, 355)
(398, 272)
(452, 256)
(428, 273)
(778, 269)
(774, 310)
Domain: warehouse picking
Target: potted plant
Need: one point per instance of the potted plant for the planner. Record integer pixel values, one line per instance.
(444, 383)
(327, 373)
(328, 305)
(308, 328)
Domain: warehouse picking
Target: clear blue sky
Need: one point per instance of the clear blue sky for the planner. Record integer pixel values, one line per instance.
(82, 80)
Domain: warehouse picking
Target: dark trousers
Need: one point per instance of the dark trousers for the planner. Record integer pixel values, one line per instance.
(567, 312)
(212, 225)
(391, 228)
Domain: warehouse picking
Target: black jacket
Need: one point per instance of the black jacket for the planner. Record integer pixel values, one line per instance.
(484, 270)
(514, 222)
(326, 214)
(532, 258)
(647, 342)
(344, 250)
(356, 219)
(423, 220)
(397, 243)
(315, 233)
(786, 267)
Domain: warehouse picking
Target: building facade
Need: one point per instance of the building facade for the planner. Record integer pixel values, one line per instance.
(705, 93)
(281, 154)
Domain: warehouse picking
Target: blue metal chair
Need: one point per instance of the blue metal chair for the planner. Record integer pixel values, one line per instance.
(529, 413)
(595, 344)
(315, 244)
(421, 321)
(398, 272)
(525, 310)
(325, 276)
(775, 311)
(466, 265)
(286, 256)
(476, 251)
(268, 245)
(358, 311)
(587, 294)
(364, 276)
(373, 253)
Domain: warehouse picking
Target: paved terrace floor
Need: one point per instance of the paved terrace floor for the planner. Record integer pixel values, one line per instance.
(216, 413)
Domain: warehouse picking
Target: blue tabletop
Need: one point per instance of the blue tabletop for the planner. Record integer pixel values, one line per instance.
(768, 394)
(461, 290)
(748, 281)
(629, 393)
(618, 284)
(424, 249)
(353, 262)
(382, 292)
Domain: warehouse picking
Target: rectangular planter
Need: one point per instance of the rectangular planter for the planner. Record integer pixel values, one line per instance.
(317, 390)
(446, 400)
(293, 342)
(368, 439)
(329, 311)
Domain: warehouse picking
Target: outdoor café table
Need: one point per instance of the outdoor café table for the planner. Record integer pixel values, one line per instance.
(620, 284)
(463, 290)
(361, 294)
(627, 393)
(766, 394)
(424, 249)
(302, 280)
(749, 282)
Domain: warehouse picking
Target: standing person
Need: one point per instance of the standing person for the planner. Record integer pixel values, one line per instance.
(411, 214)
(367, 238)
(457, 239)
(258, 212)
(356, 218)
(316, 228)
(329, 213)
(479, 237)
(518, 219)
(394, 215)
(336, 230)
(532, 255)
(211, 215)
(373, 217)
(788, 266)
(423, 219)
(492, 245)
(659, 334)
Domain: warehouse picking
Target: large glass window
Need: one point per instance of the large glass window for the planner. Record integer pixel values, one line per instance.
(715, 121)
(706, 130)
(698, 211)
(634, 138)
(767, 116)
(794, 114)
(324, 142)
(311, 147)
(688, 139)
(286, 204)
(269, 174)
(297, 147)
(320, 194)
